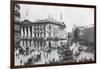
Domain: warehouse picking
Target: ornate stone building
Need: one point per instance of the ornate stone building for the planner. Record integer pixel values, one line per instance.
(41, 34)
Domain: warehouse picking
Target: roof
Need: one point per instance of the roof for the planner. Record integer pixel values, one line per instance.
(27, 22)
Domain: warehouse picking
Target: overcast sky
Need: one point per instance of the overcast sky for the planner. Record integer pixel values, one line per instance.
(70, 15)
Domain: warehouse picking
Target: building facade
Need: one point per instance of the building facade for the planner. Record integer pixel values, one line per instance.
(84, 33)
(41, 34)
(17, 24)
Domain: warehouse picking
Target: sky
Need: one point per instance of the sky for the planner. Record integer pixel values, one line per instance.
(70, 15)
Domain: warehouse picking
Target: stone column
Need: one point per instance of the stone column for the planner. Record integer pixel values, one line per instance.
(22, 32)
(36, 34)
(32, 31)
(25, 31)
(29, 31)
(21, 43)
(24, 44)
(32, 43)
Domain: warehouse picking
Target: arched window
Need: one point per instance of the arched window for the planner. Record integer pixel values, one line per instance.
(49, 27)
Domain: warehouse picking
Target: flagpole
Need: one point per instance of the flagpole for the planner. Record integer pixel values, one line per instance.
(27, 13)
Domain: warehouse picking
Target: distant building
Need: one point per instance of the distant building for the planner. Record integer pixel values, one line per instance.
(85, 33)
(89, 34)
(17, 24)
(42, 33)
(81, 32)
